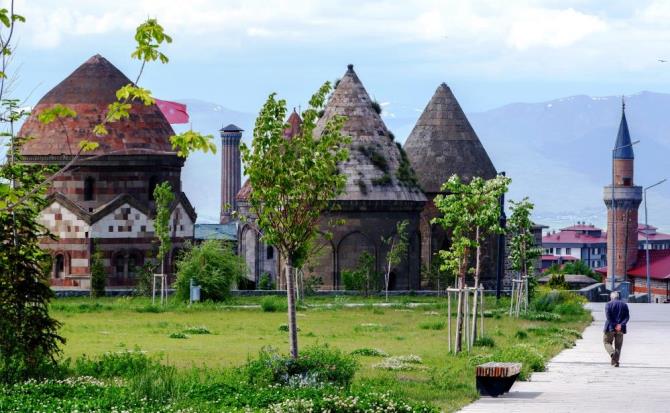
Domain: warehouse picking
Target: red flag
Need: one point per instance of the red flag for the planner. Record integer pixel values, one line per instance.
(174, 112)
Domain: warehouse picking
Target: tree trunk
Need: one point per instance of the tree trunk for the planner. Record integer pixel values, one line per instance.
(459, 316)
(475, 302)
(292, 322)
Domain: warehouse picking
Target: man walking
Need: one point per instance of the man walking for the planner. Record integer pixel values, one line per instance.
(617, 315)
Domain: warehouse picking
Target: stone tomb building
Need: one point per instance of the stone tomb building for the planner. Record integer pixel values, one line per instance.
(382, 188)
(107, 197)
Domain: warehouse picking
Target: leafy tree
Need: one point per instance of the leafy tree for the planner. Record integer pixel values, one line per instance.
(363, 277)
(293, 182)
(98, 274)
(397, 245)
(471, 212)
(164, 197)
(579, 267)
(213, 266)
(30, 339)
(523, 250)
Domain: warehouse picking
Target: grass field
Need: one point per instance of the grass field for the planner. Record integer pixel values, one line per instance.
(239, 330)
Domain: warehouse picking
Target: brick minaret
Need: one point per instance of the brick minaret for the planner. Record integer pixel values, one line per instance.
(230, 170)
(622, 204)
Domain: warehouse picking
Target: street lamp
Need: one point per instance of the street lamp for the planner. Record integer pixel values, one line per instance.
(646, 236)
(612, 259)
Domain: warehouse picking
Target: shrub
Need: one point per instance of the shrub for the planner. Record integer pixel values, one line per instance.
(145, 276)
(197, 330)
(369, 352)
(318, 364)
(484, 341)
(284, 328)
(557, 282)
(150, 308)
(122, 364)
(98, 275)
(376, 107)
(541, 316)
(272, 304)
(178, 335)
(548, 300)
(265, 282)
(213, 266)
(530, 358)
(521, 335)
(400, 363)
(353, 280)
(432, 325)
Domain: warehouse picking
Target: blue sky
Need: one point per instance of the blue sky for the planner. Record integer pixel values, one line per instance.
(236, 52)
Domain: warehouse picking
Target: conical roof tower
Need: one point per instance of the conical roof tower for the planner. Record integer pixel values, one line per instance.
(373, 169)
(444, 143)
(88, 90)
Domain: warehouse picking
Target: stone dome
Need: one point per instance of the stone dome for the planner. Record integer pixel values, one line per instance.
(88, 91)
(374, 164)
(444, 143)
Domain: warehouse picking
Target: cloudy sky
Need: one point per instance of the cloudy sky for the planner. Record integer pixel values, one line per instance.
(235, 53)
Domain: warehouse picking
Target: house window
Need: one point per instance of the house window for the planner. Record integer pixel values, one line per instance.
(558, 251)
(111, 228)
(270, 253)
(568, 251)
(627, 182)
(59, 266)
(89, 187)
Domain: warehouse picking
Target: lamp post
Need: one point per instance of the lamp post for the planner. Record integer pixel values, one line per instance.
(646, 238)
(612, 259)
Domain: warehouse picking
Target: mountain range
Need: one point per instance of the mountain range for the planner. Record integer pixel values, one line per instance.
(558, 152)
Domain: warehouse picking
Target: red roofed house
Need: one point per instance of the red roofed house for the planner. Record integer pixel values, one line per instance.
(659, 273)
(107, 199)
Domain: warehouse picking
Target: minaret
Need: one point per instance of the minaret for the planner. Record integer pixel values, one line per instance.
(622, 203)
(230, 170)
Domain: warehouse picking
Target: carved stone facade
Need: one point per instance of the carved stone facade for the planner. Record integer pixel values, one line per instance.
(107, 197)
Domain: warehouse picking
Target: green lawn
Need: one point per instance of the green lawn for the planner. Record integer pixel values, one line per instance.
(93, 327)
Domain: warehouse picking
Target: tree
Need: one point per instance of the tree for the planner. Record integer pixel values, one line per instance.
(30, 340)
(213, 266)
(293, 182)
(363, 277)
(98, 274)
(397, 245)
(470, 211)
(579, 267)
(522, 248)
(164, 197)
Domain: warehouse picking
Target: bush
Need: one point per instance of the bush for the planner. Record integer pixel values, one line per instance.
(319, 364)
(123, 364)
(484, 342)
(197, 330)
(369, 352)
(213, 266)
(272, 304)
(541, 316)
(557, 282)
(432, 325)
(178, 335)
(98, 275)
(265, 282)
(530, 358)
(353, 280)
(559, 302)
(521, 335)
(145, 276)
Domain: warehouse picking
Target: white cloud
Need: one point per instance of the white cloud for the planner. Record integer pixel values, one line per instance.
(553, 28)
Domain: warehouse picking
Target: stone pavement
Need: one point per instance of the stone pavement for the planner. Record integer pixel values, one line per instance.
(581, 379)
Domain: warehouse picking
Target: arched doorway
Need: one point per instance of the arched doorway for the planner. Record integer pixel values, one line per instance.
(349, 252)
(59, 266)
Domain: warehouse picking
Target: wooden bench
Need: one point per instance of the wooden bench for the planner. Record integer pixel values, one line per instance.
(494, 379)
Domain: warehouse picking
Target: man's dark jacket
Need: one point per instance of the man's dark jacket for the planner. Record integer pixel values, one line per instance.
(617, 313)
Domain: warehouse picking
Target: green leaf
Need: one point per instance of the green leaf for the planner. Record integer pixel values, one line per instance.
(149, 36)
(100, 130)
(87, 146)
(57, 111)
(190, 141)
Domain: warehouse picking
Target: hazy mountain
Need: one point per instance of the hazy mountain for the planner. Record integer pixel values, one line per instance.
(557, 152)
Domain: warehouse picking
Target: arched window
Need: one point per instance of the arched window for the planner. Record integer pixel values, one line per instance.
(59, 266)
(133, 263)
(89, 188)
(270, 253)
(153, 182)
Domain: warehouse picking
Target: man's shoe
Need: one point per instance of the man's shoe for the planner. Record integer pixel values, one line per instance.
(613, 358)
(616, 364)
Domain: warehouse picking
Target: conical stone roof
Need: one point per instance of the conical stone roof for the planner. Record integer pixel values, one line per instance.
(372, 169)
(88, 91)
(443, 143)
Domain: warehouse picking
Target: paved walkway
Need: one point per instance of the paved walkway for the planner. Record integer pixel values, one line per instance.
(581, 379)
